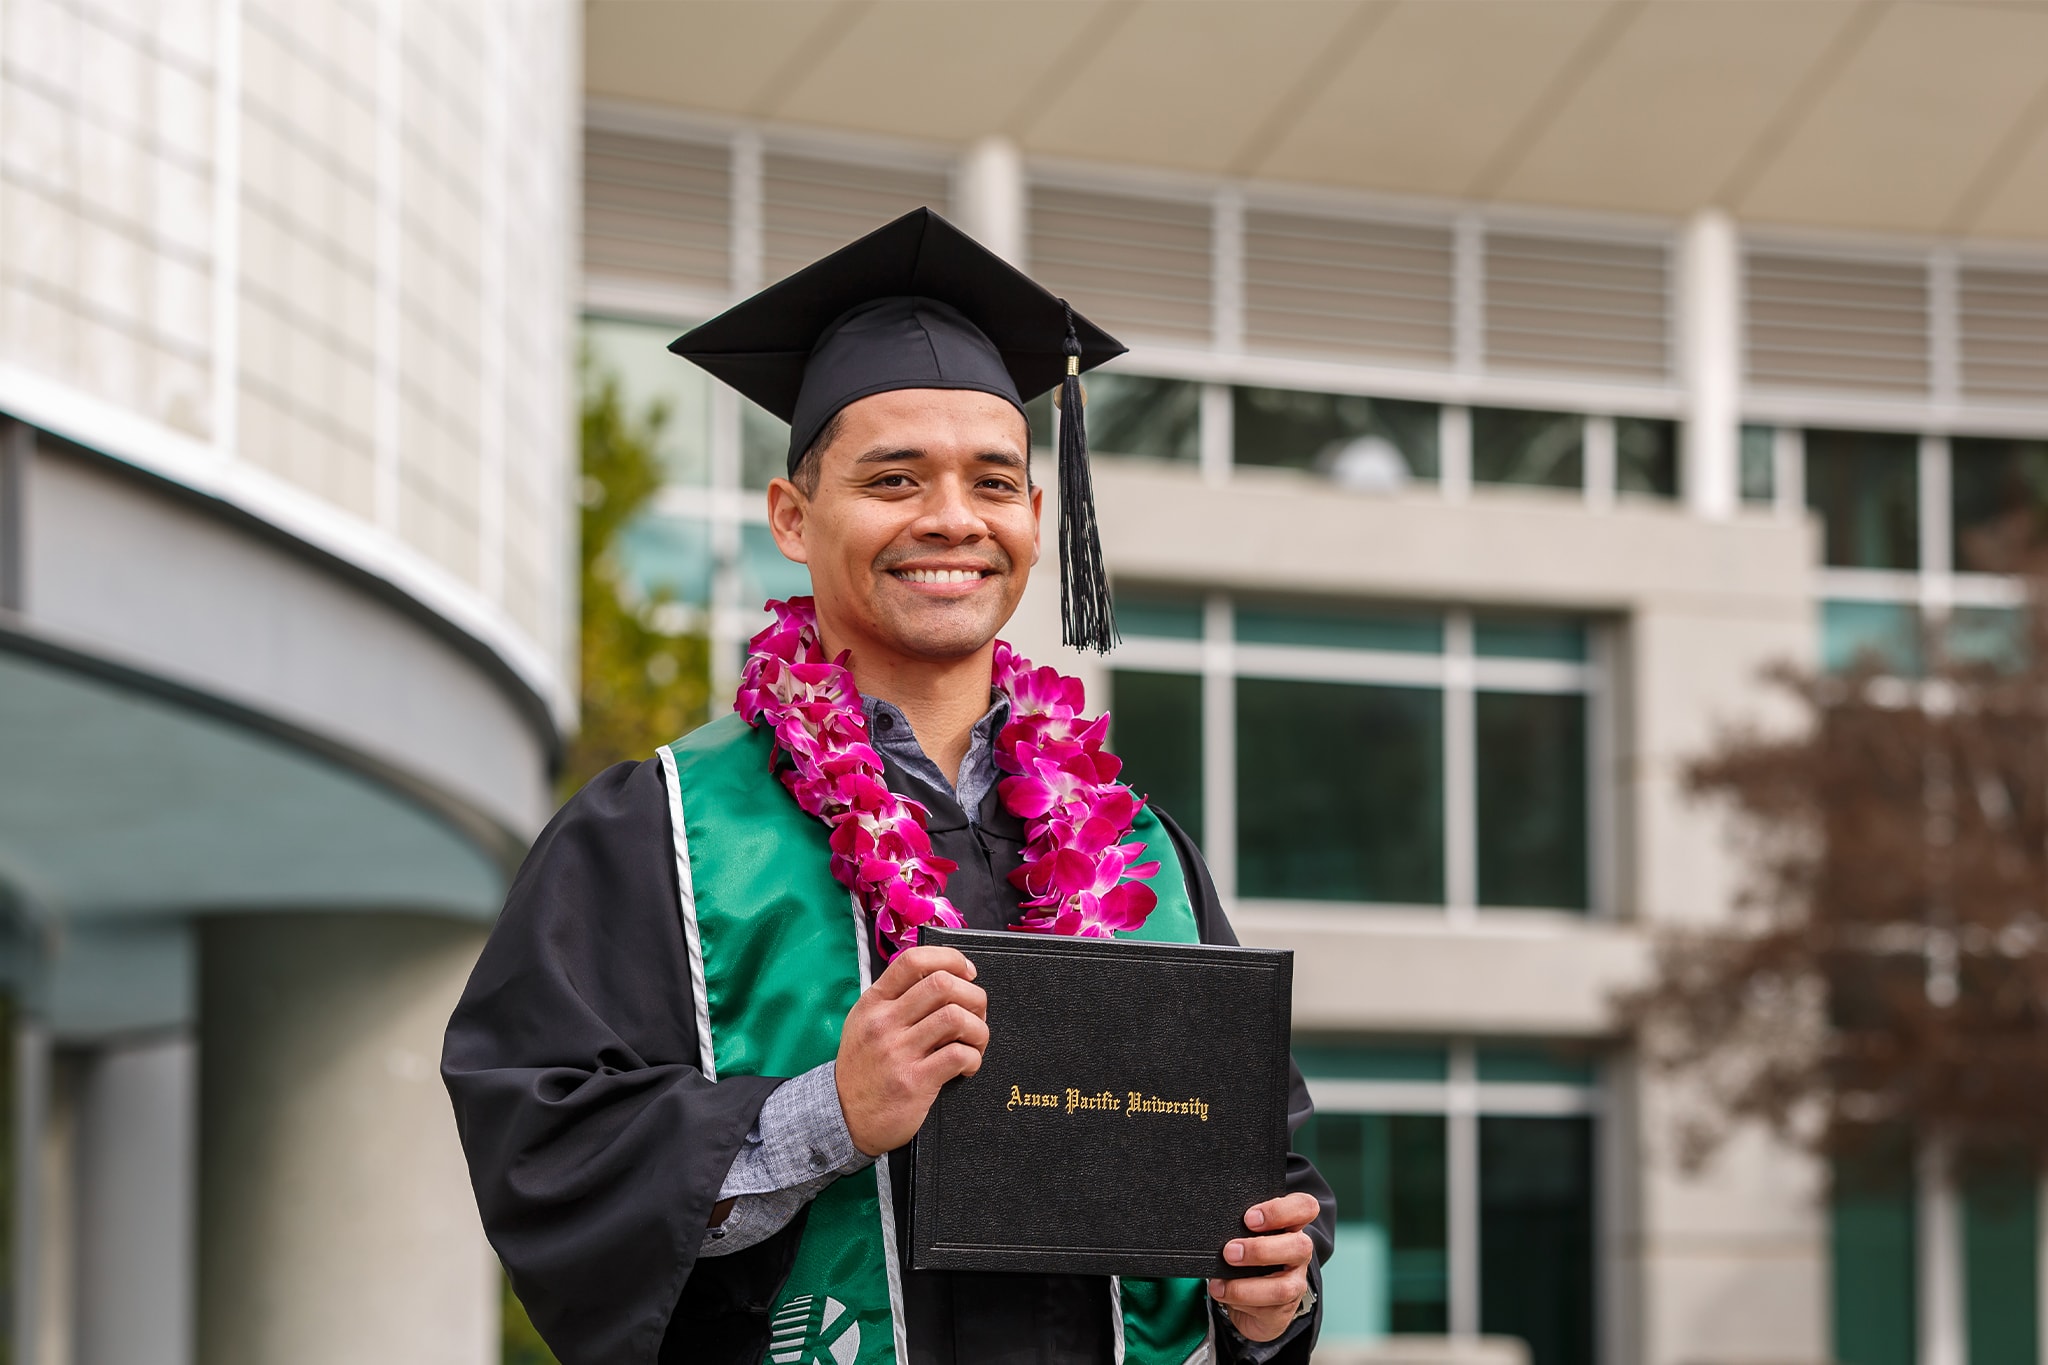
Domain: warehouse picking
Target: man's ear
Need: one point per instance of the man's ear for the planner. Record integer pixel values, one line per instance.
(1037, 522)
(789, 513)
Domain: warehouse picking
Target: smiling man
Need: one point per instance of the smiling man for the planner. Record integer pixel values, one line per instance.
(688, 1065)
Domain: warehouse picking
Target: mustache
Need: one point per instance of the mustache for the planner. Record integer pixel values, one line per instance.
(993, 558)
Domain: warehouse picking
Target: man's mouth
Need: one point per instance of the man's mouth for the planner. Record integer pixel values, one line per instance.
(941, 575)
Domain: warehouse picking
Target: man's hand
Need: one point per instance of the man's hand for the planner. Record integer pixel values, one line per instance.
(921, 1024)
(1260, 1307)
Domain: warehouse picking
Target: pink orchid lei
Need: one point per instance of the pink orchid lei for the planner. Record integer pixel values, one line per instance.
(1079, 878)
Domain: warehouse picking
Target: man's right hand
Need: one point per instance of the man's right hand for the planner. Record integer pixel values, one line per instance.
(922, 1023)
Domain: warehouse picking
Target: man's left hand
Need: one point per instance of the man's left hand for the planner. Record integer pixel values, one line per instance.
(1261, 1306)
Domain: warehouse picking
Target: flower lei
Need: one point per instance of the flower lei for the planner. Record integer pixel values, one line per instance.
(1062, 784)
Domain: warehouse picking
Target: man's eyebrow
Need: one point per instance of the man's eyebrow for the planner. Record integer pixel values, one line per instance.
(896, 454)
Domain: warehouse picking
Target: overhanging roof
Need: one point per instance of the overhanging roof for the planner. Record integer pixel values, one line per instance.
(1927, 117)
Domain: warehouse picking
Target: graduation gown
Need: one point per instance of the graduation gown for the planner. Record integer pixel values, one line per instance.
(597, 1148)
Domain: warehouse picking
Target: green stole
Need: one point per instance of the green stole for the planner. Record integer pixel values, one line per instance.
(778, 955)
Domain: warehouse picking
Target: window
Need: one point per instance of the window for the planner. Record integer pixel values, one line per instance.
(1372, 443)
(1379, 755)
(2000, 492)
(1536, 449)
(635, 356)
(1646, 456)
(1409, 1134)
(1131, 414)
(1759, 464)
(1865, 486)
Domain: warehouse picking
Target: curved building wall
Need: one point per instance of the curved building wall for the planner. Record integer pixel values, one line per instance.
(312, 259)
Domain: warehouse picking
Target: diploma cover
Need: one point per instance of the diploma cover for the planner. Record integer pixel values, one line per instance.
(1131, 1106)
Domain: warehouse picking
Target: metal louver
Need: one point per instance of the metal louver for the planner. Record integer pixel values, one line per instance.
(810, 207)
(1341, 286)
(1836, 323)
(1577, 305)
(657, 209)
(2002, 329)
(1138, 266)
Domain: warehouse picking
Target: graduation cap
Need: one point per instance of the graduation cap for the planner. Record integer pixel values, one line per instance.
(918, 304)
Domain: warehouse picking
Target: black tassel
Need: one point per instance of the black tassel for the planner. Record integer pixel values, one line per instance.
(1087, 616)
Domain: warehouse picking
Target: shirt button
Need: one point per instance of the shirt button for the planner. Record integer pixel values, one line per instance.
(885, 721)
(718, 1234)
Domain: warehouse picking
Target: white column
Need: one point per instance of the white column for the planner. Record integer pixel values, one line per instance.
(1219, 441)
(1461, 776)
(1454, 453)
(1462, 1189)
(32, 1094)
(1226, 301)
(992, 199)
(136, 1116)
(1219, 744)
(1940, 1219)
(336, 1219)
(1710, 360)
(1602, 462)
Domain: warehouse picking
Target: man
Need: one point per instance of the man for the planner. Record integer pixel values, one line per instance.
(685, 1107)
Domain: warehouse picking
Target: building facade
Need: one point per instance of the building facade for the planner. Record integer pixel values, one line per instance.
(286, 631)
(1509, 386)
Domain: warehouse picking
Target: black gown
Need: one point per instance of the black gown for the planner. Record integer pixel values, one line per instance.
(597, 1147)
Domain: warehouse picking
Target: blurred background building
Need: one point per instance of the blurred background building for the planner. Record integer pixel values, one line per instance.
(286, 599)
(1511, 381)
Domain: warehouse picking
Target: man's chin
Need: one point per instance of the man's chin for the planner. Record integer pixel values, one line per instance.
(942, 634)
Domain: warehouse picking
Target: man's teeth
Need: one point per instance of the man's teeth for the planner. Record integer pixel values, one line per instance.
(939, 575)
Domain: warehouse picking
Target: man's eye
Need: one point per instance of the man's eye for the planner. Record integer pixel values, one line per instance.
(893, 481)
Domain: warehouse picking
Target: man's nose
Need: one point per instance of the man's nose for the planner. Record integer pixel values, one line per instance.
(950, 514)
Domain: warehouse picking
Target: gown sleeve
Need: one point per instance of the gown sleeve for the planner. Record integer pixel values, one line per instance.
(1294, 1346)
(595, 1144)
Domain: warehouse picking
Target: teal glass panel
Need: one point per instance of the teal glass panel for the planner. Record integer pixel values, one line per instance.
(1866, 487)
(764, 446)
(1759, 464)
(1339, 792)
(1535, 449)
(1390, 1269)
(1159, 618)
(1535, 1064)
(635, 355)
(1536, 1221)
(1532, 800)
(1339, 628)
(764, 573)
(1155, 722)
(1131, 414)
(1999, 500)
(1530, 637)
(1339, 434)
(2001, 1263)
(1884, 634)
(668, 556)
(1345, 1060)
(1871, 1237)
(1646, 456)
(1996, 636)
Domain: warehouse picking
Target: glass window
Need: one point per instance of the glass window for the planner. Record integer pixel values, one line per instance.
(1883, 634)
(1532, 800)
(636, 355)
(1646, 456)
(2000, 500)
(1339, 792)
(764, 446)
(1131, 414)
(1539, 449)
(1038, 412)
(1337, 628)
(1529, 637)
(669, 556)
(764, 573)
(1536, 1235)
(1156, 729)
(1996, 636)
(1371, 443)
(1164, 618)
(1535, 1064)
(2001, 1260)
(1871, 1243)
(1373, 1061)
(1391, 1268)
(1866, 487)
(1759, 464)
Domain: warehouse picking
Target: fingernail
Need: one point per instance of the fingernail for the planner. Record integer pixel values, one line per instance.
(1215, 1288)
(1255, 1219)
(1234, 1252)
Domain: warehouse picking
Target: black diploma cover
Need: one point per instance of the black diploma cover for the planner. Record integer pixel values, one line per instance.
(1131, 1106)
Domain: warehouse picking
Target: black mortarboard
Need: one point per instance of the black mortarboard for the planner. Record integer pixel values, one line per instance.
(918, 304)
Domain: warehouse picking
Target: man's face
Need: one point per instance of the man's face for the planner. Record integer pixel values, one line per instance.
(924, 526)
